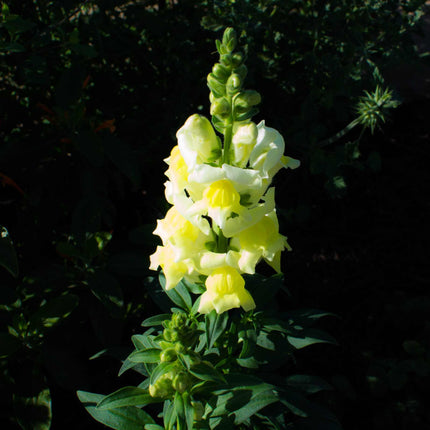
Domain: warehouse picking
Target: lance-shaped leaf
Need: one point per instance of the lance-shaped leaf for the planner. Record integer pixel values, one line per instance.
(215, 326)
(206, 372)
(309, 337)
(151, 355)
(179, 295)
(127, 396)
(125, 418)
(156, 320)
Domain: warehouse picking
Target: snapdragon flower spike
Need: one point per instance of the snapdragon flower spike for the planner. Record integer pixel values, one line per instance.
(223, 220)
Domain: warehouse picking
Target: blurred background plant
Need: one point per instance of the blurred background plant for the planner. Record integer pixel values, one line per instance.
(89, 104)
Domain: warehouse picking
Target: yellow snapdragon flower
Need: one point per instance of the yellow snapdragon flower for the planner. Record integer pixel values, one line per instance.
(262, 240)
(185, 238)
(173, 270)
(225, 289)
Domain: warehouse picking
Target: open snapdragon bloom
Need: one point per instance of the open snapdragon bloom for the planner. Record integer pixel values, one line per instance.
(225, 289)
(223, 220)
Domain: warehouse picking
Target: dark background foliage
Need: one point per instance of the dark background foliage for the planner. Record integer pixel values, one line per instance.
(91, 95)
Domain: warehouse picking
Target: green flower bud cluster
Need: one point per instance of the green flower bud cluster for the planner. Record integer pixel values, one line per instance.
(178, 338)
(181, 330)
(229, 102)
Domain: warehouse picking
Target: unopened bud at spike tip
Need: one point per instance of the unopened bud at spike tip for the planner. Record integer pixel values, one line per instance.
(229, 39)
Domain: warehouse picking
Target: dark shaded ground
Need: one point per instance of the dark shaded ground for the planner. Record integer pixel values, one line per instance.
(365, 257)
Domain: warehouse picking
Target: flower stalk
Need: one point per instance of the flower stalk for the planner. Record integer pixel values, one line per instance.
(223, 219)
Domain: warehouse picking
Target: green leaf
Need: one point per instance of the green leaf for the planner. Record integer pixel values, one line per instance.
(54, 311)
(179, 295)
(8, 258)
(244, 396)
(306, 317)
(153, 427)
(156, 320)
(169, 415)
(127, 396)
(310, 337)
(248, 338)
(189, 411)
(302, 407)
(125, 418)
(249, 362)
(178, 404)
(258, 401)
(8, 344)
(215, 326)
(206, 372)
(144, 341)
(127, 365)
(308, 383)
(34, 413)
(151, 355)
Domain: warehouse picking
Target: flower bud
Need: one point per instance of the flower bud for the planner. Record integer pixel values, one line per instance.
(247, 99)
(242, 71)
(198, 142)
(237, 59)
(229, 39)
(179, 348)
(167, 334)
(234, 83)
(220, 72)
(243, 142)
(179, 320)
(163, 387)
(168, 355)
(226, 60)
(215, 85)
(220, 107)
(181, 382)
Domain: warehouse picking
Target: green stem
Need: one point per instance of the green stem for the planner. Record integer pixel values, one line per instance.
(228, 134)
(222, 242)
(339, 135)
